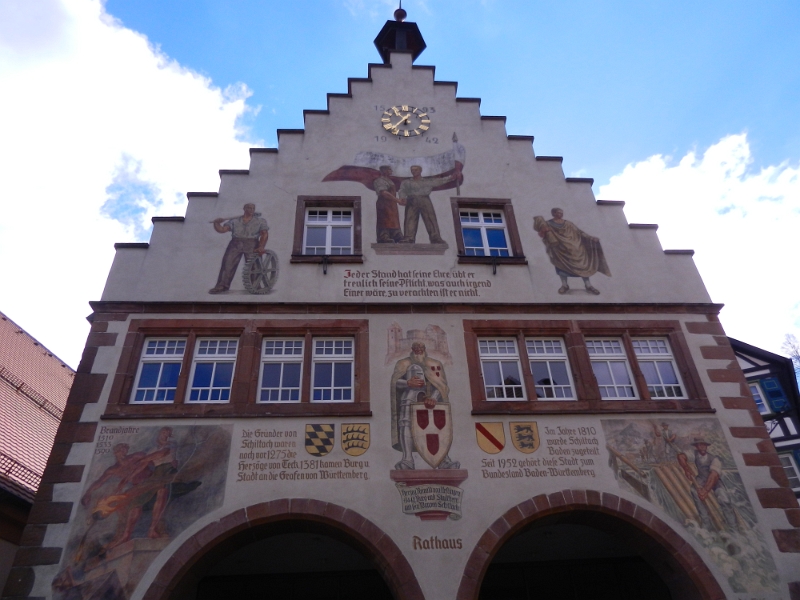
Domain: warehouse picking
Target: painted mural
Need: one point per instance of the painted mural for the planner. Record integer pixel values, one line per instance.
(145, 486)
(573, 252)
(422, 424)
(407, 182)
(399, 342)
(249, 235)
(686, 468)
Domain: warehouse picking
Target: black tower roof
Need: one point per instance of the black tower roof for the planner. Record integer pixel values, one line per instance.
(399, 36)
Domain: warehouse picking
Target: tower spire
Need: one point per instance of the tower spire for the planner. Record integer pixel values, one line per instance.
(399, 36)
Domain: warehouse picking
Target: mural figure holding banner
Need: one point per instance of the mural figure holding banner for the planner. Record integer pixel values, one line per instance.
(574, 253)
(385, 173)
(249, 234)
(419, 382)
(416, 192)
(387, 223)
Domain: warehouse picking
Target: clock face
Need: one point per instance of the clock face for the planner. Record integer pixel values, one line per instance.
(405, 121)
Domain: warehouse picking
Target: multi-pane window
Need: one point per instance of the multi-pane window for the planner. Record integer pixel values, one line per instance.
(159, 368)
(658, 367)
(611, 369)
(501, 369)
(212, 370)
(281, 367)
(550, 369)
(759, 398)
(484, 233)
(332, 374)
(328, 231)
(790, 468)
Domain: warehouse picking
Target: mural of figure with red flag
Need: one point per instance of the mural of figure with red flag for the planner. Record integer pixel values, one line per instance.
(399, 181)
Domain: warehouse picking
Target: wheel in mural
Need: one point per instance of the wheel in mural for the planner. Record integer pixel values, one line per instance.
(260, 272)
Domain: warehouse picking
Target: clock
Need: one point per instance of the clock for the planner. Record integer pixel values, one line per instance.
(405, 121)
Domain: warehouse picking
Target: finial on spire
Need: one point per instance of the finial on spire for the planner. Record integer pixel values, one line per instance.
(400, 15)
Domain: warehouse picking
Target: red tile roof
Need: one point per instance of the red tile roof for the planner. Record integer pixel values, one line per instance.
(34, 385)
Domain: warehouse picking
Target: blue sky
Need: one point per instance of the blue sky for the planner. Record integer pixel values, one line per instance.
(688, 111)
(601, 83)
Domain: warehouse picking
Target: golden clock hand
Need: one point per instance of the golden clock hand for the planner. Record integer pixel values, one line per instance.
(400, 122)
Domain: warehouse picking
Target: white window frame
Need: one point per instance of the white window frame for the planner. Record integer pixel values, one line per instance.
(789, 463)
(501, 350)
(151, 355)
(330, 223)
(596, 357)
(481, 223)
(343, 350)
(281, 351)
(760, 398)
(553, 350)
(658, 350)
(202, 356)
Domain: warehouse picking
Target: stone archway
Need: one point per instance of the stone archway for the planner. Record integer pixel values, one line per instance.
(672, 556)
(188, 562)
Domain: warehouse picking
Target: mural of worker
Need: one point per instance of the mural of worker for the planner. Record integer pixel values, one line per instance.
(573, 252)
(419, 384)
(249, 234)
(147, 485)
(387, 223)
(707, 482)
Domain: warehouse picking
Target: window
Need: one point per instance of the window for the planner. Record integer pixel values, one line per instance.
(212, 370)
(328, 231)
(281, 368)
(159, 368)
(658, 367)
(550, 369)
(484, 233)
(501, 369)
(759, 398)
(611, 369)
(333, 370)
(790, 468)
(559, 366)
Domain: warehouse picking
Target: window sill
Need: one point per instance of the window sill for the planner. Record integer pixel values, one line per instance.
(232, 411)
(490, 260)
(494, 407)
(332, 258)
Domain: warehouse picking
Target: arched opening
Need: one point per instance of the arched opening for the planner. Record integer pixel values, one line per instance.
(563, 559)
(294, 561)
(311, 550)
(584, 544)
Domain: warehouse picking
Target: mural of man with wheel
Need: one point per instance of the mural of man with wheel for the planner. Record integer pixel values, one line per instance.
(249, 234)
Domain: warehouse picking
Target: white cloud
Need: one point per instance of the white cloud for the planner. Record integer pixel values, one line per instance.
(742, 223)
(99, 131)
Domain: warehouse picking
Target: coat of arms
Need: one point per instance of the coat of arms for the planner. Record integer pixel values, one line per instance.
(432, 430)
(319, 439)
(525, 436)
(491, 437)
(355, 438)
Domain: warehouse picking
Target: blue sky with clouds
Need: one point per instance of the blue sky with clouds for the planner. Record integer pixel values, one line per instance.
(688, 111)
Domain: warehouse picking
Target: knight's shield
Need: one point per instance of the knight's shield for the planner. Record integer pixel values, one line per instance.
(432, 430)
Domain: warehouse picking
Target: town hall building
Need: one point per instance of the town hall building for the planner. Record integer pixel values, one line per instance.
(403, 356)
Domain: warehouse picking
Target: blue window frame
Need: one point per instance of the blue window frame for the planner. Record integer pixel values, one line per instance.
(484, 233)
(281, 370)
(212, 370)
(332, 370)
(159, 368)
